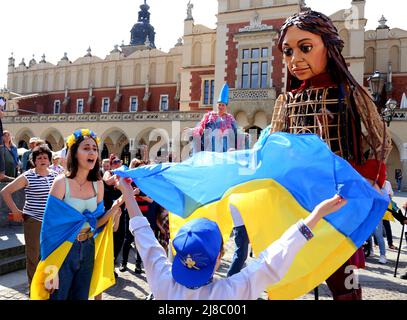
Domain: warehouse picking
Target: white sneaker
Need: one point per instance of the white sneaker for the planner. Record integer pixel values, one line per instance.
(382, 260)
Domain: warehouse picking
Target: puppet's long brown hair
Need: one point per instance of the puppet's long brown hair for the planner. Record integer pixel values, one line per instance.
(318, 23)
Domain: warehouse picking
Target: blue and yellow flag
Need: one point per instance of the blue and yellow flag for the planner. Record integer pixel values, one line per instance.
(60, 227)
(273, 185)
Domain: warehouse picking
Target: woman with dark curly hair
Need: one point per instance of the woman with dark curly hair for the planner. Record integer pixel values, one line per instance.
(324, 98)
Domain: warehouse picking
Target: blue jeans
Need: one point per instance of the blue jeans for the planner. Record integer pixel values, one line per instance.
(76, 272)
(241, 250)
(378, 233)
(399, 184)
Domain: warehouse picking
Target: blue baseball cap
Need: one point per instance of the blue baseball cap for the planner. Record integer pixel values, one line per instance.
(197, 245)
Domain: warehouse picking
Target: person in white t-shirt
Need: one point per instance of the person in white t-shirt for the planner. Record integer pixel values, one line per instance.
(388, 217)
(199, 249)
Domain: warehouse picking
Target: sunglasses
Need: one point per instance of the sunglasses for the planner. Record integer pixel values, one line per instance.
(116, 161)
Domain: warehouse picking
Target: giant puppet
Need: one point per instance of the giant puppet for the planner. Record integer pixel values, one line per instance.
(323, 98)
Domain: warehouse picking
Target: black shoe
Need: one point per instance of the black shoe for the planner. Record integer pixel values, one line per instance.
(115, 275)
(138, 269)
(404, 276)
(123, 267)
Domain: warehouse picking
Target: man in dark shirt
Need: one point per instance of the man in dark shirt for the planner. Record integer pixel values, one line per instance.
(3, 177)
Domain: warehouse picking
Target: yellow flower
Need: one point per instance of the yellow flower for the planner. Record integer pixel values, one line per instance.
(86, 132)
(82, 132)
(70, 141)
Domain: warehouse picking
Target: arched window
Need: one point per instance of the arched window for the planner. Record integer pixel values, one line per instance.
(24, 88)
(105, 77)
(169, 72)
(92, 77)
(14, 87)
(153, 70)
(68, 80)
(45, 82)
(79, 79)
(344, 34)
(197, 53)
(118, 75)
(213, 52)
(370, 64)
(137, 74)
(395, 58)
(35, 84)
(56, 81)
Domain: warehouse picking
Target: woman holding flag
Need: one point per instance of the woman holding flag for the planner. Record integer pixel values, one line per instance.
(76, 246)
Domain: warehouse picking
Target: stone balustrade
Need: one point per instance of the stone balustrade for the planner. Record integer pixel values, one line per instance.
(106, 117)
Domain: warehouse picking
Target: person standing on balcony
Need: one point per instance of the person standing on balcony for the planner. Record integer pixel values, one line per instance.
(216, 128)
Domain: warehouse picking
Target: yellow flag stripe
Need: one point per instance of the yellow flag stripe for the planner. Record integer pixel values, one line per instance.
(268, 210)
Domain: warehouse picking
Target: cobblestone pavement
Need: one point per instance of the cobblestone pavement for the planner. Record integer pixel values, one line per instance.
(377, 280)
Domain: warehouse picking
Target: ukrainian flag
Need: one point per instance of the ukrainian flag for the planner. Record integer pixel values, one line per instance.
(273, 185)
(60, 227)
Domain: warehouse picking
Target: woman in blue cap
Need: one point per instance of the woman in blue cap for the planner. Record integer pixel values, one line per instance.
(199, 249)
(217, 131)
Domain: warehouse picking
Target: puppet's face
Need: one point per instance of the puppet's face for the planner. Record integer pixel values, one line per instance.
(304, 53)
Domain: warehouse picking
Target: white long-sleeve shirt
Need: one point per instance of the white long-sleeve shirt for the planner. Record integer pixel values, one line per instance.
(248, 284)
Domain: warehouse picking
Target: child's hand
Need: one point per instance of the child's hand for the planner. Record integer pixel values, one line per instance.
(124, 185)
(330, 205)
(136, 191)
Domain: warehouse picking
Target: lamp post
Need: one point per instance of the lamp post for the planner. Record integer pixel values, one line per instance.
(389, 111)
(376, 84)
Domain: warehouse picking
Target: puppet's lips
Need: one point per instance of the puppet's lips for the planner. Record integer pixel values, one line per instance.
(300, 69)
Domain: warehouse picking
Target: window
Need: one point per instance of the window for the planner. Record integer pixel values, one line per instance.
(79, 105)
(209, 88)
(255, 66)
(264, 73)
(255, 53)
(254, 81)
(105, 105)
(264, 52)
(245, 75)
(164, 102)
(133, 104)
(57, 106)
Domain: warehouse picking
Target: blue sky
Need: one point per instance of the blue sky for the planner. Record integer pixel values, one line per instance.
(57, 26)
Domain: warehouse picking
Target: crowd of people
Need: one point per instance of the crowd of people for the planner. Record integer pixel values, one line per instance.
(44, 175)
(40, 167)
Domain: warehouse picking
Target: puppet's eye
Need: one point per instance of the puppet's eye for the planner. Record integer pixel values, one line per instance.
(306, 48)
(288, 52)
